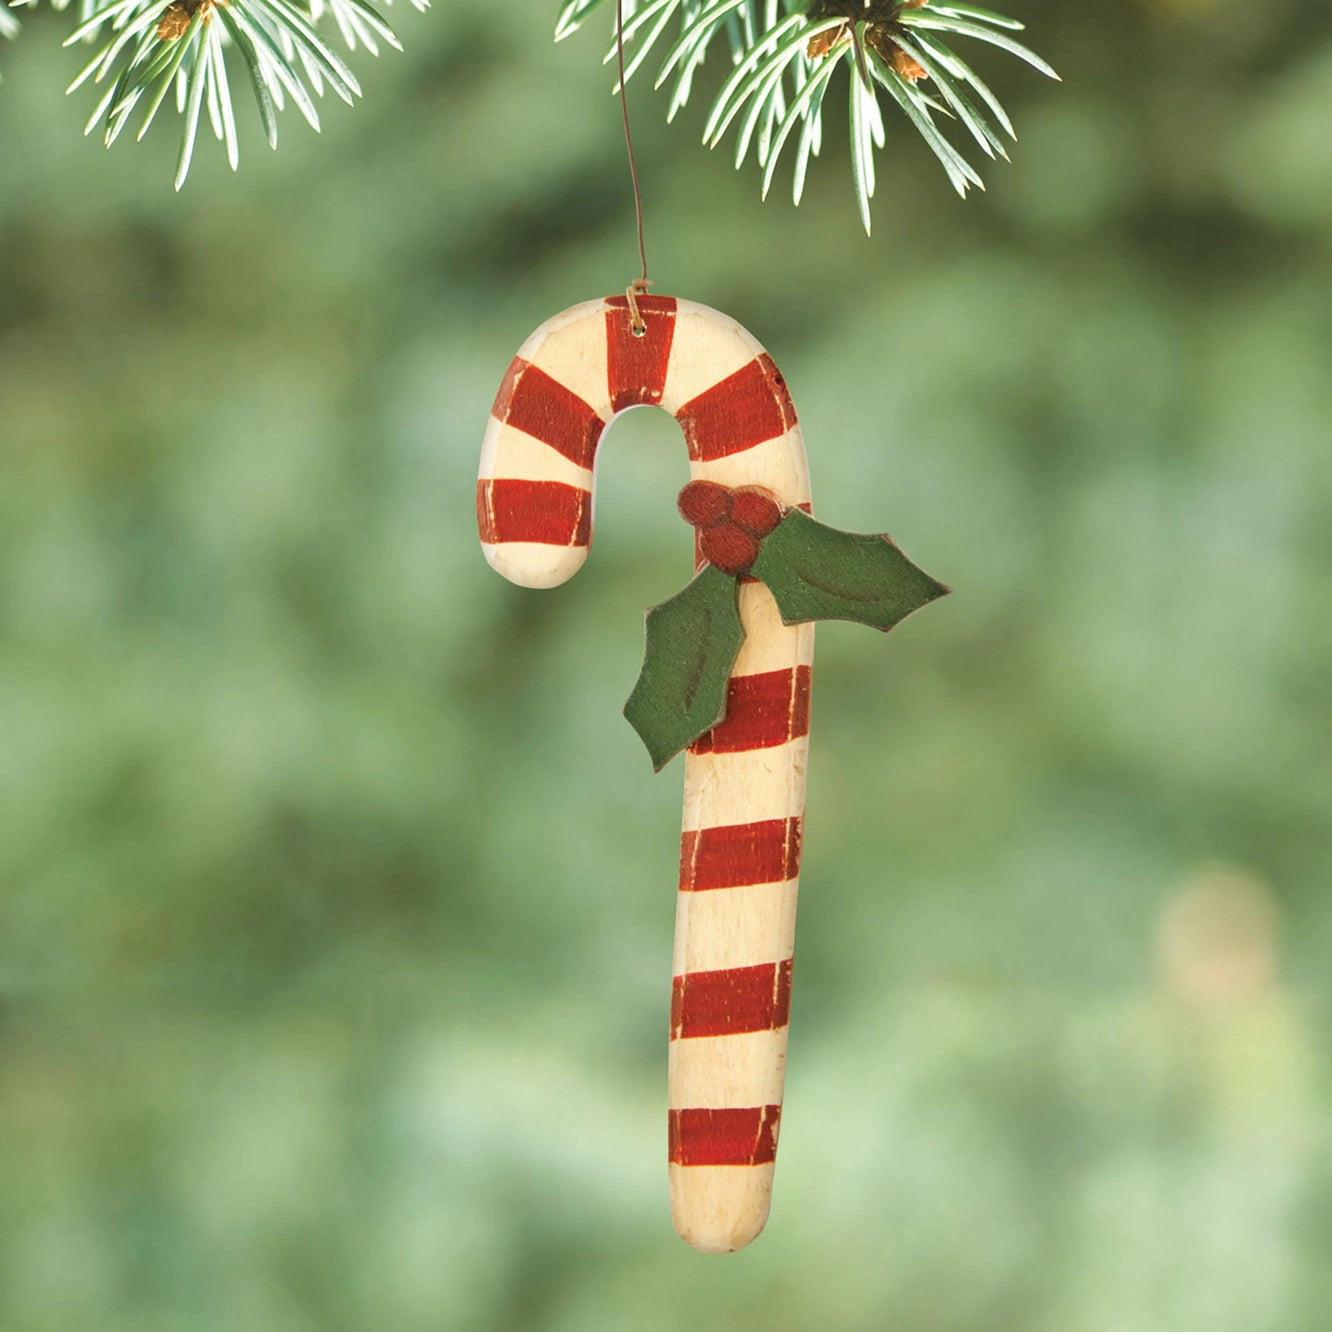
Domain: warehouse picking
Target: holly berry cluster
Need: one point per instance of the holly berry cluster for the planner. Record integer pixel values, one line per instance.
(731, 523)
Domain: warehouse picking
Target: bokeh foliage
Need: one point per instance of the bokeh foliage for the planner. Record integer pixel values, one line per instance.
(335, 894)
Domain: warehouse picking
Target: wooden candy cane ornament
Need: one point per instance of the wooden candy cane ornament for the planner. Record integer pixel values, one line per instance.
(726, 676)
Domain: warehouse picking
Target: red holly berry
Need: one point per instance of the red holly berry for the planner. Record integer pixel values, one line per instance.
(729, 548)
(755, 510)
(704, 503)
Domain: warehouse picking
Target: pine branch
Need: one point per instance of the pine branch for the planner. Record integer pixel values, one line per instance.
(784, 54)
(148, 49)
(9, 24)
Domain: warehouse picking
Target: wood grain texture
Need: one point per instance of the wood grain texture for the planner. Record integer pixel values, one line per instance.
(745, 778)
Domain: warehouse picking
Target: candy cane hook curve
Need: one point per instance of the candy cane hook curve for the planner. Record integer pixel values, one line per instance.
(744, 795)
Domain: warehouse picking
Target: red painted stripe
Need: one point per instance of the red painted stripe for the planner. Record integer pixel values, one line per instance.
(727, 1003)
(743, 410)
(546, 512)
(531, 401)
(761, 711)
(636, 367)
(725, 1137)
(739, 854)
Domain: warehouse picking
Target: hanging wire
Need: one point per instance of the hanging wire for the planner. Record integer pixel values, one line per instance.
(640, 284)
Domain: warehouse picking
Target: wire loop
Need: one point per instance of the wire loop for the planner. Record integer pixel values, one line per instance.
(638, 287)
(642, 283)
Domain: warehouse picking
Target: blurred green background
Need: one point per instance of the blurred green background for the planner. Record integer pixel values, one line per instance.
(336, 896)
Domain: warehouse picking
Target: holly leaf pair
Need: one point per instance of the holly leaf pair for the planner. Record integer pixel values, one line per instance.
(813, 571)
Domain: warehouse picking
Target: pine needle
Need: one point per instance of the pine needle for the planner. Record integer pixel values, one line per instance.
(783, 55)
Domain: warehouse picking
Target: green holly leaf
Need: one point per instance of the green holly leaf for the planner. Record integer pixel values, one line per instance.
(816, 572)
(692, 643)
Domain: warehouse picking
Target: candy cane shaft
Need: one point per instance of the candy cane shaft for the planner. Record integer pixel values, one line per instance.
(735, 935)
(745, 779)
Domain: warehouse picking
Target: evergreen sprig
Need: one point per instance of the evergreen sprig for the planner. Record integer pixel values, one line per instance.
(784, 54)
(148, 49)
